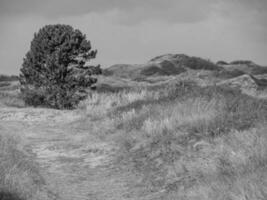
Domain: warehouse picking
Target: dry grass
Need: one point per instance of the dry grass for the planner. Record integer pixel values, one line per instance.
(11, 100)
(10, 95)
(190, 142)
(99, 104)
(183, 141)
(19, 175)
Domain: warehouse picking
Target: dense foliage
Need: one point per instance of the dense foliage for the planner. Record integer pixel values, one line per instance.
(53, 73)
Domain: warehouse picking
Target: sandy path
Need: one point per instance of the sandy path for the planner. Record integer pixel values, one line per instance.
(75, 163)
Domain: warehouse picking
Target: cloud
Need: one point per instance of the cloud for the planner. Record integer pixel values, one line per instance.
(129, 10)
(171, 10)
(245, 16)
(135, 11)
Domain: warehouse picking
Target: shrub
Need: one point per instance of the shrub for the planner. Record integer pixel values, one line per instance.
(5, 84)
(184, 61)
(196, 63)
(166, 68)
(227, 74)
(53, 72)
(259, 70)
(8, 78)
(241, 62)
(221, 62)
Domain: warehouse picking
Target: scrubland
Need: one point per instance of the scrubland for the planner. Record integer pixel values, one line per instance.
(188, 142)
(180, 140)
(19, 173)
(9, 94)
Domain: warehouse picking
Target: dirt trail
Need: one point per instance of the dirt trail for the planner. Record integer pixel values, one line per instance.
(74, 168)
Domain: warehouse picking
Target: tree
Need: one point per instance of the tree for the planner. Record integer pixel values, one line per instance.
(54, 71)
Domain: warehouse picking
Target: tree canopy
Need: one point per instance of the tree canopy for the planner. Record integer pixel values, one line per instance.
(54, 71)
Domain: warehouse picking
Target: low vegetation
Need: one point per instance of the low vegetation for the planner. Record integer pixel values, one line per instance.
(8, 78)
(19, 174)
(227, 74)
(182, 140)
(165, 65)
(241, 62)
(221, 62)
(245, 66)
(10, 95)
(188, 142)
(11, 100)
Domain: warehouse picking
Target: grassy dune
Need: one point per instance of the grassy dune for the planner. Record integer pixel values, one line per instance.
(181, 141)
(187, 142)
(19, 174)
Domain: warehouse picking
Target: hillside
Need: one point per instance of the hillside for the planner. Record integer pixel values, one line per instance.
(243, 66)
(176, 64)
(165, 65)
(176, 141)
(247, 76)
(183, 129)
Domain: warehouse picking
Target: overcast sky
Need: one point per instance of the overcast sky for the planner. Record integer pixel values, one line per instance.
(134, 31)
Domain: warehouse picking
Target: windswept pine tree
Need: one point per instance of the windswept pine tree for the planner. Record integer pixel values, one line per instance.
(54, 72)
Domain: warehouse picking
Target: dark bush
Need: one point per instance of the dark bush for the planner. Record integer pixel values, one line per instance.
(241, 62)
(166, 68)
(221, 62)
(259, 70)
(106, 88)
(53, 73)
(184, 61)
(5, 84)
(8, 78)
(199, 63)
(9, 196)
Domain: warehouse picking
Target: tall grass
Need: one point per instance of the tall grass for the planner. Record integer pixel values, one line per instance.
(183, 142)
(100, 104)
(11, 100)
(19, 174)
(10, 95)
(190, 142)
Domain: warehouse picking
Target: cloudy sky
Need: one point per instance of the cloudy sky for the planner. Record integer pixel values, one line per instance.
(134, 31)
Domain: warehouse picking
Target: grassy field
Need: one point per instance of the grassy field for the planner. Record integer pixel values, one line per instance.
(178, 139)
(10, 94)
(19, 173)
(190, 142)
